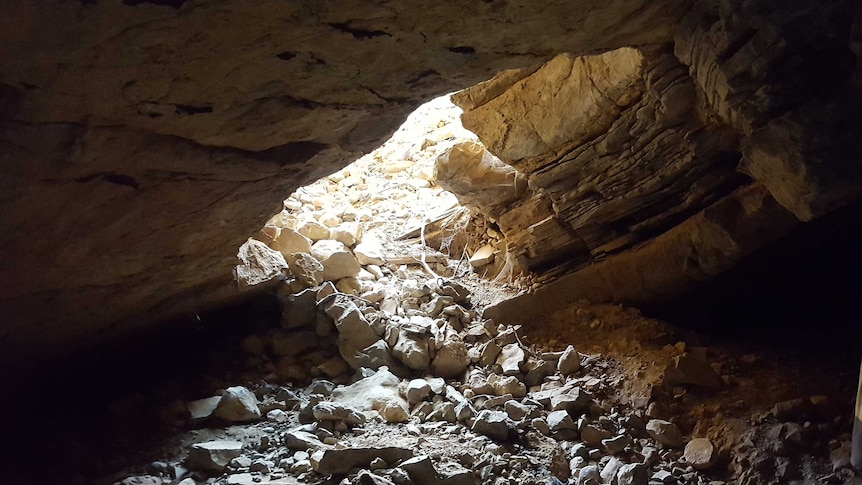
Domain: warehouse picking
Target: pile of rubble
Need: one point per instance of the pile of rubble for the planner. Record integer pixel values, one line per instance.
(408, 384)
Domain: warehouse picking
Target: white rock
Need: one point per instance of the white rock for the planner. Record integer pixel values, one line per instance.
(289, 241)
(349, 285)
(338, 262)
(560, 420)
(213, 455)
(483, 256)
(314, 230)
(237, 404)
(347, 233)
(570, 361)
(277, 415)
(369, 251)
(305, 268)
(700, 453)
(633, 474)
(452, 359)
(417, 390)
(492, 424)
(665, 433)
(202, 408)
(511, 359)
(507, 385)
(258, 263)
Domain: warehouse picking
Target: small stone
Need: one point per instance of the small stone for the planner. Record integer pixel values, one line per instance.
(286, 342)
(609, 471)
(541, 425)
(277, 415)
(369, 251)
(314, 230)
(213, 455)
(301, 440)
(483, 256)
(511, 359)
(570, 361)
(700, 454)
(378, 464)
(237, 404)
(261, 466)
(560, 420)
(589, 475)
(258, 264)
(452, 359)
(202, 408)
(665, 433)
(507, 385)
(593, 435)
(421, 470)
(305, 268)
(515, 410)
(333, 411)
(288, 242)
(616, 444)
(492, 424)
(338, 262)
(417, 390)
(633, 474)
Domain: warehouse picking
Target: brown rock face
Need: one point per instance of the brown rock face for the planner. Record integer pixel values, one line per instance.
(645, 156)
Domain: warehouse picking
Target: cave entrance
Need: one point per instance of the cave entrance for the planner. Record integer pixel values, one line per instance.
(387, 212)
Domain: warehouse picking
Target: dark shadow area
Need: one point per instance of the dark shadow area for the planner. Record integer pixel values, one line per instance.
(87, 418)
(802, 294)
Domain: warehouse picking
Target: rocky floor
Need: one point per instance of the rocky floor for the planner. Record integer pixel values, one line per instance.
(378, 367)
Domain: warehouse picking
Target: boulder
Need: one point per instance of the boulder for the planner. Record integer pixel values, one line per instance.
(700, 454)
(213, 456)
(337, 260)
(237, 404)
(340, 461)
(289, 241)
(493, 424)
(305, 268)
(665, 433)
(258, 264)
(451, 359)
(570, 361)
(314, 230)
(369, 251)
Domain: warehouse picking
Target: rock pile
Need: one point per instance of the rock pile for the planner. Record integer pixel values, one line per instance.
(404, 382)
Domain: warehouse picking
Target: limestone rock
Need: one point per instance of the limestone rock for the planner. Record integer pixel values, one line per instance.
(492, 424)
(570, 361)
(237, 404)
(339, 461)
(369, 251)
(511, 359)
(421, 470)
(258, 263)
(700, 453)
(202, 408)
(288, 242)
(560, 420)
(477, 177)
(292, 342)
(483, 256)
(338, 262)
(306, 268)
(417, 390)
(213, 455)
(314, 231)
(451, 359)
(665, 433)
(633, 474)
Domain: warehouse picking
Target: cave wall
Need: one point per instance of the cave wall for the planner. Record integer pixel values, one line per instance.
(666, 165)
(143, 141)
